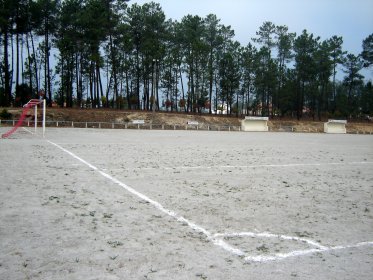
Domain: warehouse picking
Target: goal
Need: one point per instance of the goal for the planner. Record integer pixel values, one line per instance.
(32, 103)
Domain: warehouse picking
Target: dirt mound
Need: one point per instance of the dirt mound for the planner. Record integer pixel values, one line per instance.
(180, 119)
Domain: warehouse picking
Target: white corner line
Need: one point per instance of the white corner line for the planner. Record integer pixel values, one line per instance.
(217, 239)
(271, 235)
(281, 256)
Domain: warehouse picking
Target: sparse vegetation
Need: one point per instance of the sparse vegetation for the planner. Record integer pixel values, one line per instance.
(263, 248)
(5, 115)
(115, 244)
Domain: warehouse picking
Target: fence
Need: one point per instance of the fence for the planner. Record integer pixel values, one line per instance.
(128, 125)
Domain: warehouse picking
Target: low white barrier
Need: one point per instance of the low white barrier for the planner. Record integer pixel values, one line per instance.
(193, 124)
(138, 121)
(254, 124)
(335, 126)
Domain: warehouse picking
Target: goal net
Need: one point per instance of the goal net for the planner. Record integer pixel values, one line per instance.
(32, 103)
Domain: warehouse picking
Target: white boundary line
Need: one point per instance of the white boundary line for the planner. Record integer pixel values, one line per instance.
(252, 166)
(217, 239)
(29, 131)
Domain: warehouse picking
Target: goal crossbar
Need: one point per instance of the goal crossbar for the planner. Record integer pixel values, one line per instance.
(33, 102)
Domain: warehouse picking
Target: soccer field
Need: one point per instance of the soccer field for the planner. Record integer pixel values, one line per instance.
(146, 204)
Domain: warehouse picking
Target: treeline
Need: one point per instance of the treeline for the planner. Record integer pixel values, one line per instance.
(106, 53)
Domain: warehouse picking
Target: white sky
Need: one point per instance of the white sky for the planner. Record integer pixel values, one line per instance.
(351, 19)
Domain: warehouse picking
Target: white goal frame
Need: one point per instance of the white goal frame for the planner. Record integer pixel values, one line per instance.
(35, 103)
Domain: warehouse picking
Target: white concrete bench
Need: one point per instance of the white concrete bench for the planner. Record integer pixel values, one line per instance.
(254, 124)
(335, 126)
(192, 123)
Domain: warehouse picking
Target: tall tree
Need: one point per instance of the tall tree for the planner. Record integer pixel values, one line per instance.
(324, 70)
(352, 66)
(266, 38)
(195, 54)
(305, 47)
(367, 53)
(7, 8)
(284, 44)
(266, 35)
(68, 41)
(152, 47)
(148, 27)
(47, 25)
(214, 41)
(229, 72)
(21, 19)
(265, 80)
(226, 34)
(115, 17)
(95, 27)
(248, 74)
(337, 55)
(366, 101)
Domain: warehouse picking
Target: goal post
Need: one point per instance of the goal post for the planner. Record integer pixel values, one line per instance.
(43, 102)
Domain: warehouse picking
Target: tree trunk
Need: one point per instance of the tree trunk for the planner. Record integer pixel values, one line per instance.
(17, 60)
(182, 86)
(7, 89)
(35, 63)
(211, 82)
(128, 91)
(99, 85)
(114, 68)
(46, 60)
(29, 64)
(237, 105)
(12, 63)
(156, 84)
(61, 97)
(176, 90)
(91, 89)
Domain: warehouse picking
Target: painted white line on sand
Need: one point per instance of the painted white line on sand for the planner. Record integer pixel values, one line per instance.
(280, 256)
(217, 239)
(28, 130)
(271, 235)
(251, 166)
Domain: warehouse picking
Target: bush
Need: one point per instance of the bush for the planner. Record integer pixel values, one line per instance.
(5, 115)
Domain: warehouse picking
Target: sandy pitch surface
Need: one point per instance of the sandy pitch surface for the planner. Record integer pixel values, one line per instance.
(129, 204)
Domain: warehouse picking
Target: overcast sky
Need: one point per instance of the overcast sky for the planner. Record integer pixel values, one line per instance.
(351, 19)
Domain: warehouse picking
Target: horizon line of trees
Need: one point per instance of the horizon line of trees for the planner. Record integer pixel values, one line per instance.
(106, 53)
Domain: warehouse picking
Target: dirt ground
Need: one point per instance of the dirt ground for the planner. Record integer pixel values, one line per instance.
(141, 204)
(167, 118)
